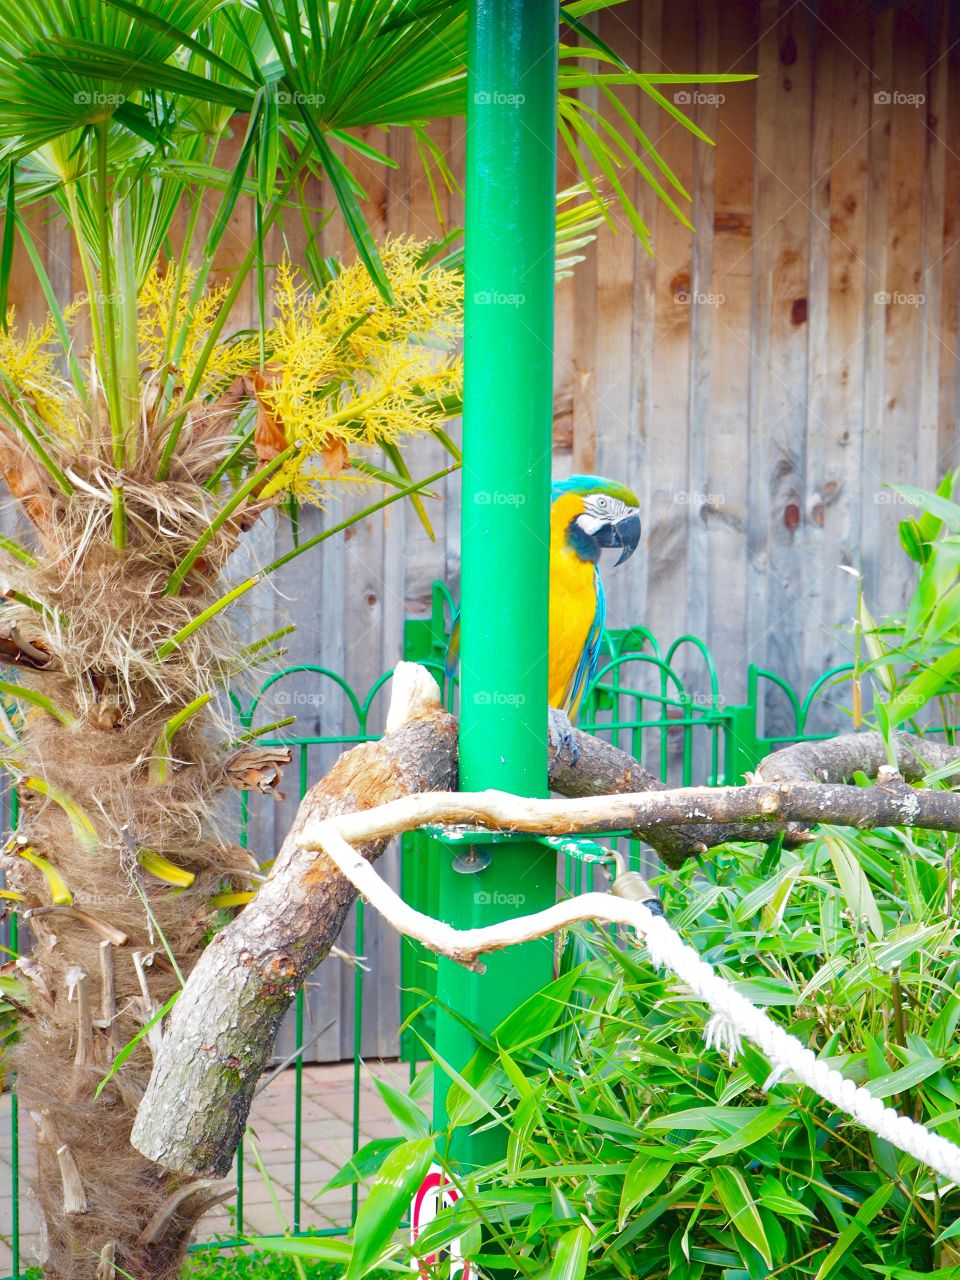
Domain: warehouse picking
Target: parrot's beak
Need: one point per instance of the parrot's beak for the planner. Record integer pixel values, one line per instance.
(624, 532)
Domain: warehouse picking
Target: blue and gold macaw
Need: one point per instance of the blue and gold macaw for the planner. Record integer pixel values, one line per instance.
(587, 515)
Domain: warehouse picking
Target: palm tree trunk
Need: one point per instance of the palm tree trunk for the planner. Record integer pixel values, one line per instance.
(100, 971)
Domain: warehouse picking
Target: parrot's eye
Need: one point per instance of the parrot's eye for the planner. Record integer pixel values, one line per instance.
(600, 502)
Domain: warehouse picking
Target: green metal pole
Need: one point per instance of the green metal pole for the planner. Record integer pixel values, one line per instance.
(507, 437)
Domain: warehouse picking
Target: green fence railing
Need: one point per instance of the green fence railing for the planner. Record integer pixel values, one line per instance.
(664, 706)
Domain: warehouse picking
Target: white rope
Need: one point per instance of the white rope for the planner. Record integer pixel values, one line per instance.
(733, 1017)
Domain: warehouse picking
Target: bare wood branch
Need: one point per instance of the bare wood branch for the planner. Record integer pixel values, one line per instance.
(838, 759)
(892, 805)
(84, 1054)
(465, 946)
(583, 765)
(74, 1196)
(106, 930)
(733, 1017)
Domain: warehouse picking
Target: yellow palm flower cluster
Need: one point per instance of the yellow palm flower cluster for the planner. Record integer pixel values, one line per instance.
(347, 371)
(174, 327)
(31, 373)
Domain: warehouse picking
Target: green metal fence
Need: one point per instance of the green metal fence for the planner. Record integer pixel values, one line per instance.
(664, 706)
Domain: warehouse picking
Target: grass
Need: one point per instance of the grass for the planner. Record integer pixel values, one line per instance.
(212, 1264)
(247, 1264)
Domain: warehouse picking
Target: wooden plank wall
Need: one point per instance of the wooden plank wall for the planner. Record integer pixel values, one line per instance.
(756, 383)
(760, 382)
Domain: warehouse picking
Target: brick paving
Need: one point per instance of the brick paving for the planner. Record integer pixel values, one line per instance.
(327, 1113)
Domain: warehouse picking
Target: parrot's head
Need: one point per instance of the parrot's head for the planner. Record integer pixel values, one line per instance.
(594, 514)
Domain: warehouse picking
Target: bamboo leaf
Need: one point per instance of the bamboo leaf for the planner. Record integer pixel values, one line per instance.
(363, 1164)
(570, 1259)
(644, 1175)
(755, 1128)
(854, 885)
(734, 1194)
(934, 504)
(856, 1227)
(388, 1203)
(930, 683)
(905, 1078)
(411, 1120)
(131, 1044)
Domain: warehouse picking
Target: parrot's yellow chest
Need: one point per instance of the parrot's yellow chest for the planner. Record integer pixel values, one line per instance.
(573, 602)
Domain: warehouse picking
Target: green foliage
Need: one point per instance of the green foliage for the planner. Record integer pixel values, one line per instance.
(169, 74)
(913, 658)
(632, 1150)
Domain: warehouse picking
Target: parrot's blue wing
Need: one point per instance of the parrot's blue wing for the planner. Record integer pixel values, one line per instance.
(589, 659)
(452, 657)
